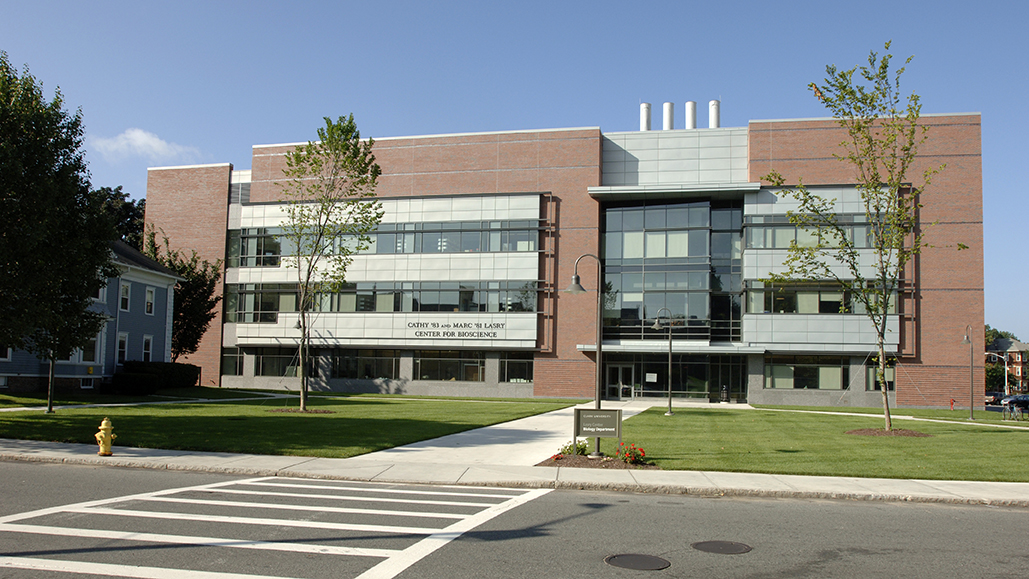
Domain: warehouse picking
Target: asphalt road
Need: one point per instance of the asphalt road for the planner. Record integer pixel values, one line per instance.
(339, 529)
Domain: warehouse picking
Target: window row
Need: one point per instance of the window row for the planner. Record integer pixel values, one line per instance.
(783, 236)
(249, 303)
(263, 247)
(807, 300)
(434, 365)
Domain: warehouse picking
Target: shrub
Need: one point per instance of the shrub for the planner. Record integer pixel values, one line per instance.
(135, 383)
(631, 454)
(167, 374)
(574, 447)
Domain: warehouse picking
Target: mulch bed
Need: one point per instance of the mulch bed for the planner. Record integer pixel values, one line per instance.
(580, 461)
(894, 432)
(299, 411)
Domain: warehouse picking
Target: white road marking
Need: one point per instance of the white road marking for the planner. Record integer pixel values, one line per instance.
(107, 569)
(314, 508)
(394, 561)
(199, 541)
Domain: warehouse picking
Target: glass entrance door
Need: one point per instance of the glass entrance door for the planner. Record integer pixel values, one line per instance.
(620, 381)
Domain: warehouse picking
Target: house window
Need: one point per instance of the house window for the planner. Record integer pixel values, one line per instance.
(5, 353)
(150, 301)
(148, 345)
(123, 299)
(86, 383)
(3, 381)
(123, 347)
(89, 350)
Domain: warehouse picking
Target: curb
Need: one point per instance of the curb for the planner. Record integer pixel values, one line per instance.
(556, 484)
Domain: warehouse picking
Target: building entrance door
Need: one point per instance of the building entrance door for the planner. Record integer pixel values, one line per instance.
(620, 381)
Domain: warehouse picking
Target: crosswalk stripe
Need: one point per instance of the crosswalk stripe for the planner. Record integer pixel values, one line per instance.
(314, 508)
(256, 521)
(378, 490)
(350, 498)
(113, 570)
(198, 541)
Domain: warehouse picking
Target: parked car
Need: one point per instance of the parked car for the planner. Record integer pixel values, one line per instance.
(1019, 400)
(993, 398)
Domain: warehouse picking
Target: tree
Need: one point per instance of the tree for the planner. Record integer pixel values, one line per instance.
(330, 208)
(994, 334)
(127, 214)
(995, 378)
(55, 239)
(883, 138)
(195, 299)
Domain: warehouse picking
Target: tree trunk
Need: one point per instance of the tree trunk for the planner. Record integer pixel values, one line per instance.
(881, 373)
(302, 358)
(50, 387)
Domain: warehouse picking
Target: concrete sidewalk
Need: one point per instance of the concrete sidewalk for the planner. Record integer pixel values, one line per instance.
(504, 455)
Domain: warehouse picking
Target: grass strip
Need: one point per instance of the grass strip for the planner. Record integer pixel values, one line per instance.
(763, 441)
(352, 425)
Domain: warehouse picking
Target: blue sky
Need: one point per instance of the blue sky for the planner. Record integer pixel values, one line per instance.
(169, 83)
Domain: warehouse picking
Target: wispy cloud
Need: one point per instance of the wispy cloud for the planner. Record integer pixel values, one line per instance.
(139, 143)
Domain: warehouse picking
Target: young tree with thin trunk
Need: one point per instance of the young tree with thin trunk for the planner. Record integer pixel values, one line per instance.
(883, 138)
(330, 208)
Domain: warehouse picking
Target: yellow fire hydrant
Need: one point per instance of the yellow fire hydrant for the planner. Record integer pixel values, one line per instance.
(105, 437)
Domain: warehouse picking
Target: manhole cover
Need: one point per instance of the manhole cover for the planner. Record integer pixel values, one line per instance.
(721, 547)
(637, 562)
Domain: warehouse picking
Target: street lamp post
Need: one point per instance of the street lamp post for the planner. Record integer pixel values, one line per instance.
(576, 288)
(657, 327)
(971, 382)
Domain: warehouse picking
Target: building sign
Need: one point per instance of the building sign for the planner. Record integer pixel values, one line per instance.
(594, 423)
(458, 330)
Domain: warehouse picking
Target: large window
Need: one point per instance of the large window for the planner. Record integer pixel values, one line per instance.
(149, 306)
(366, 364)
(807, 372)
(89, 351)
(276, 361)
(148, 346)
(123, 347)
(872, 381)
(450, 365)
(516, 366)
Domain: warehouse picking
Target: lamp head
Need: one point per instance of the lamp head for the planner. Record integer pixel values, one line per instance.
(576, 287)
(657, 325)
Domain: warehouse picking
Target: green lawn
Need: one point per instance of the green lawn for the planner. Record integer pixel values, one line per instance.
(764, 441)
(355, 425)
(78, 398)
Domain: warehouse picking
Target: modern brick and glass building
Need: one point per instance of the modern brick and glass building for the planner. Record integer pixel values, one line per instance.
(461, 291)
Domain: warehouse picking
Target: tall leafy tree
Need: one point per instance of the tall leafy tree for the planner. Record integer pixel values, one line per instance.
(330, 208)
(127, 214)
(55, 240)
(883, 139)
(195, 299)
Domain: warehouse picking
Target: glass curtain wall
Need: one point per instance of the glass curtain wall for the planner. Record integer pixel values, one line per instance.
(686, 257)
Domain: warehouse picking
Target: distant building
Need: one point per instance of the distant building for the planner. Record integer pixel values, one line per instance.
(461, 292)
(1017, 355)
(138, 304)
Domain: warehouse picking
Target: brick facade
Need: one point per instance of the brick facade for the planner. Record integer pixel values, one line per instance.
(948, 292)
